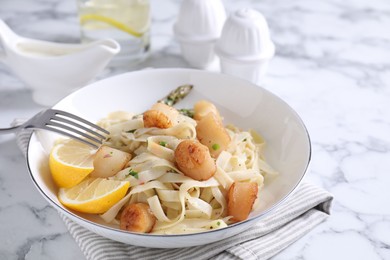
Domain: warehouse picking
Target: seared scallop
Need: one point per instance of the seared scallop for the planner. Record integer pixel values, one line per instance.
(213, 134)
(241, 197)
(194, 160)
(160, 116)
(109, 161)
(137, 217)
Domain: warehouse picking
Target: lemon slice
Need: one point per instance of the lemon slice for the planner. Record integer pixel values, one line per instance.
(96, 17)
(93, 195)
(70, 162)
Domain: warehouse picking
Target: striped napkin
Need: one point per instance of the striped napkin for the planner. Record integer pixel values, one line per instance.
(307, 207)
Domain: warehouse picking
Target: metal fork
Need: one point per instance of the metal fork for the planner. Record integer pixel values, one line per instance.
(66, 124)
(70, 125)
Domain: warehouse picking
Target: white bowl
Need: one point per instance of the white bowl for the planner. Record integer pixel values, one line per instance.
(240, 102)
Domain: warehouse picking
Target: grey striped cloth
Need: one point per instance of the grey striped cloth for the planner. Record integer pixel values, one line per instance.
(300, 213)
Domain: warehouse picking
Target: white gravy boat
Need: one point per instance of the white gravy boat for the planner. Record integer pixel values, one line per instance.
(53, 70)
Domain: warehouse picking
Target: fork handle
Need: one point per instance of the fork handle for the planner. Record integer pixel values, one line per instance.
(15, 125)
(8, 130)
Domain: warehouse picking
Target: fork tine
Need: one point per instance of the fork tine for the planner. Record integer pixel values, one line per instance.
(70, 135)
(63, 126)
(75, 124)
(64, 113)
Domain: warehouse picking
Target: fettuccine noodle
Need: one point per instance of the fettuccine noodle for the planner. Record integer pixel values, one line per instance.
(179, 203)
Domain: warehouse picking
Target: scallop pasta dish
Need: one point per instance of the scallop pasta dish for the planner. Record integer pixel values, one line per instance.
(165, 171)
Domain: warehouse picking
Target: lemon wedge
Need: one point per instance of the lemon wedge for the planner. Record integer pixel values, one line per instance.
(114, 23)
(93, 195)
(70, 162)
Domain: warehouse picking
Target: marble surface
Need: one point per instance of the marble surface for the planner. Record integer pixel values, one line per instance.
(332, 65)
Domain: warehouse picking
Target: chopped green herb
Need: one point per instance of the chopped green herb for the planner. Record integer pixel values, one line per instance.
(111, 152)
(132, 173)
(244, 140)
(218, 223)
(162, 143)
(215, 147)
(131, 131)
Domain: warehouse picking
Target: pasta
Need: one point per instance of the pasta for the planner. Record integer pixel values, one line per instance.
(180, 203)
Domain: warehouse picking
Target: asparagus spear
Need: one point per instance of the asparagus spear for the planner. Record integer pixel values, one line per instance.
(176, 95)
(187, 112)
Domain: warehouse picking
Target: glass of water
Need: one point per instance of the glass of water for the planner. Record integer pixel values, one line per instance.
(126, 21)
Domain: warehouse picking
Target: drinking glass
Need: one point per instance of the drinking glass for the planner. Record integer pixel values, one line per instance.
(126, 21)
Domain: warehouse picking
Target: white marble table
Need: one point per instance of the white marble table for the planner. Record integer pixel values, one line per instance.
(332, 65)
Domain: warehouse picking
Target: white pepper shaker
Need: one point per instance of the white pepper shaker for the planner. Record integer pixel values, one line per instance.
(198, 26)
(245, 47)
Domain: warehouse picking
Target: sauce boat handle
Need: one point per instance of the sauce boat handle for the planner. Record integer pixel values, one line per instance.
(6, 36)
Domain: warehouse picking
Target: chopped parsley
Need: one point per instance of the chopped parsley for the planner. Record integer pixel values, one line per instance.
(244, 140)
(132, 173)
(131, 131)
(215, 147)
(218, 223)
(162, 143)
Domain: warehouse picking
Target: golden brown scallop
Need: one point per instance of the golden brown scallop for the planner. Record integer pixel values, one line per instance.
(160, 116)
(241, 197)
(202, 108)
(155, 118)
(213, 134)
(194, 160)
(137, 217)
(109, 161)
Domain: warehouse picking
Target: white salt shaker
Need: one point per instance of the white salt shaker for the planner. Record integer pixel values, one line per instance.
(198, 26)
(245, 46)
